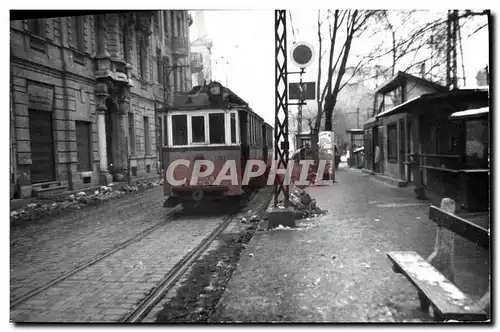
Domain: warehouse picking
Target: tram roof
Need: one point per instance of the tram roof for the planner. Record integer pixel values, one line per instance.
(199, 98)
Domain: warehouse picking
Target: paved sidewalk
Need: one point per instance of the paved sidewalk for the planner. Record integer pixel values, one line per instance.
(334, 268)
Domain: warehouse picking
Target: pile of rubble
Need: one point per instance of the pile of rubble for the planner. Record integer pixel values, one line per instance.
(304, 205)
(77, 201)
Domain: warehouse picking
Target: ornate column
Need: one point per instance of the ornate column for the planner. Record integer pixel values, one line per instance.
(101, 96)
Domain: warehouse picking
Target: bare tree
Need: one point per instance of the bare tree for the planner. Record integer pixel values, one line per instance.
(354, 22)
(428, 37)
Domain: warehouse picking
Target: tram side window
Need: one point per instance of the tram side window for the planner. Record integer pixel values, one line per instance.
(179, 130)
(233, 128)
(198, 128)
(217, 128)
(250, 133)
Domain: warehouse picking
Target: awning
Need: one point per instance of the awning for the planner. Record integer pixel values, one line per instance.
(398, 108)
(459, 99)
(470, 113)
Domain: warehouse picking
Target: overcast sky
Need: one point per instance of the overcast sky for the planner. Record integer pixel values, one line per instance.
(244, 52)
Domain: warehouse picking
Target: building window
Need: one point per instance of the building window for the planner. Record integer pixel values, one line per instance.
(217, 128)
(179, 130)
(476, 148)
(131, 134)
(392, 143)
(147, 137)
(198, 129)
(141, 61)
(37, 27)
(77, 33)
(124, 42)
(83, 146)
(159, 66)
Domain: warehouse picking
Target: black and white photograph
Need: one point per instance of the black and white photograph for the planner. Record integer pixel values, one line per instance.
(304, 165)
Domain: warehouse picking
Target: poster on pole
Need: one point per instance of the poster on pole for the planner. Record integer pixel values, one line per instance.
(326, 146)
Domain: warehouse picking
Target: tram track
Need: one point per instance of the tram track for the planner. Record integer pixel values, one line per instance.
(56, 290)
(179, 270)
(169, 217)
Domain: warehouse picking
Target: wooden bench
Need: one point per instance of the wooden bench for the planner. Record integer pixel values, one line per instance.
(436, 289)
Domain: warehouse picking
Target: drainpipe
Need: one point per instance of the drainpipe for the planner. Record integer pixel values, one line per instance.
(64, 39)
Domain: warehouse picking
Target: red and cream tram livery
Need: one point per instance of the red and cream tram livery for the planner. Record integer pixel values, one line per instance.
(213, 124)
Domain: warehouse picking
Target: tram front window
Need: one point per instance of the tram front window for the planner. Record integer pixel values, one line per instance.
(198, 129)
(179, 130)
(217, 125)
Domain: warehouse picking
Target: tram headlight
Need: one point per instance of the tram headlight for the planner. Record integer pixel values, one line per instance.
(215, 90)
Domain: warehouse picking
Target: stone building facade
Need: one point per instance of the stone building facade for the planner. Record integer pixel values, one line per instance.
(201, 51)
(87, 94)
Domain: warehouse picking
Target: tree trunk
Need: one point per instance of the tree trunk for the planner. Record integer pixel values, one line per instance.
(314, 146)
(328, 113)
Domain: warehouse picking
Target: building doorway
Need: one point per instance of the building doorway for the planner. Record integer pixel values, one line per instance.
(111, 135)
(42, 146)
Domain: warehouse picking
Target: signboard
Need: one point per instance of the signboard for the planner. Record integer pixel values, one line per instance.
(302, 54)
(326, 146)
(308, 91)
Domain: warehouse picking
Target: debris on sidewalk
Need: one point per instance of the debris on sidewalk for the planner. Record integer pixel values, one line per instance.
(304, 205)
(48, 207)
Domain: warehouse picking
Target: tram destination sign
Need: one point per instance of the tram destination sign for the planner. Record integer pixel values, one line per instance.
(308, 91)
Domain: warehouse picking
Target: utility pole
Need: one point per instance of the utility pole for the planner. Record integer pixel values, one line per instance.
(451, 54)
(357, 114)
(301, 100)
(281, 146)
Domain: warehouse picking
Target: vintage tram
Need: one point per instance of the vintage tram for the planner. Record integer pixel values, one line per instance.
(212, 123)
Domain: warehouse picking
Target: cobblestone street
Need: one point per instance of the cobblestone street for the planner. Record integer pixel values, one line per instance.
(43, 250)
(110, 288)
